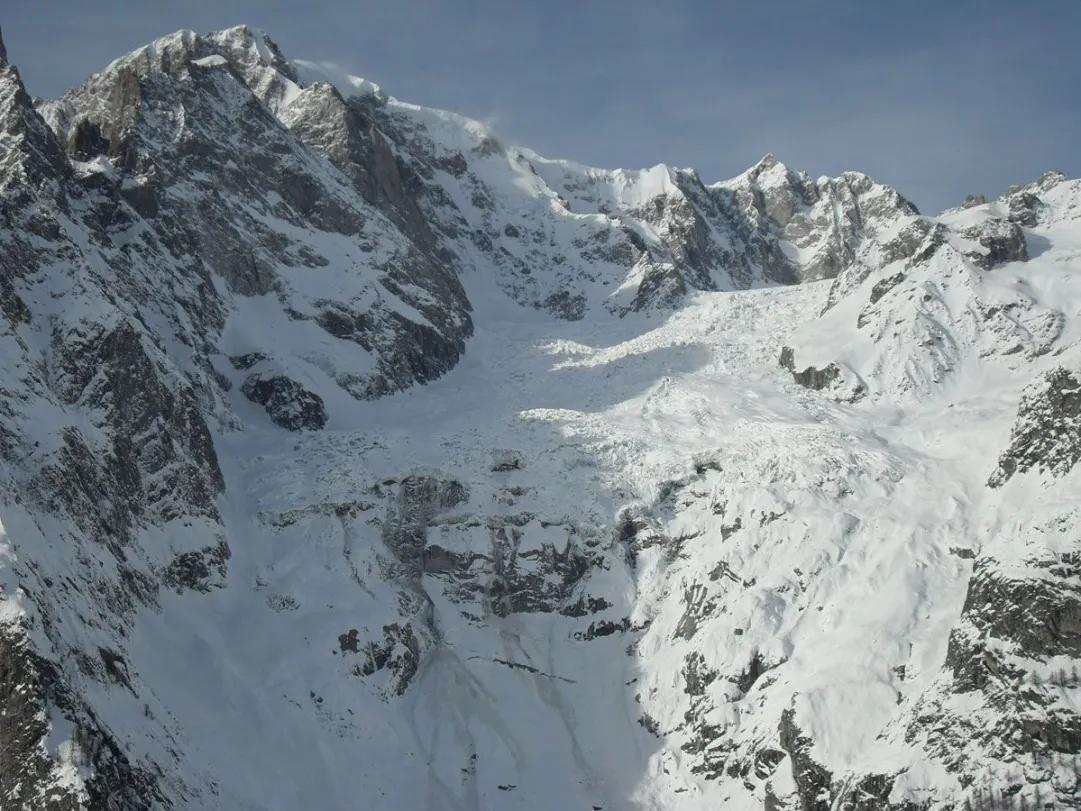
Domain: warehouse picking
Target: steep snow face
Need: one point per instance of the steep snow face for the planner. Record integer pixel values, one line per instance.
(759, 494)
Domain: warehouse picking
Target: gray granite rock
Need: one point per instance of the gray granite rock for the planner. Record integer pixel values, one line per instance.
(1047, 433)
(288, 404)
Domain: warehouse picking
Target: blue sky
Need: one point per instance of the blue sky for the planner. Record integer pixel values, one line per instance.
(939, 99)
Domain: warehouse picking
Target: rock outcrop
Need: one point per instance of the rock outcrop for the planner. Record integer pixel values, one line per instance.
(1047, 433)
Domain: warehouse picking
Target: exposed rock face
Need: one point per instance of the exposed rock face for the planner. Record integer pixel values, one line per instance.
(810, 378)
(1047, 433)
(138, 214)
(289, 404)
(1042, 617)
(522, 569)
(34, 777)
(29, 779)
(342, 131)
(398, 652)
(829, 378)
(418, 502)
(169, 118)
(802, 213)
(161, 446)
(1000, 241)
(30, 157)
(811, 778)
(1026, 206)
(1007, 677)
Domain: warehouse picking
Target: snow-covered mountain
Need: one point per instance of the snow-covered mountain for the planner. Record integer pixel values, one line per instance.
(351, 458)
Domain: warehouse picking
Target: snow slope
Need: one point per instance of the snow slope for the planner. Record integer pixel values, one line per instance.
(762, 497)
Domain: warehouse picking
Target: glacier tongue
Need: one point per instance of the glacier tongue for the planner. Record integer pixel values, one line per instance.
(349, 456)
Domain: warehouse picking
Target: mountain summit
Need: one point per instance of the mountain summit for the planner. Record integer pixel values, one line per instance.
(351, 457)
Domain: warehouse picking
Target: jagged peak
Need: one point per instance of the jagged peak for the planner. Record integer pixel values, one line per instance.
(3, 50)
(246, 38)
(33, 154)
(862, 184)
(249, 50)
(239, 33)
(861, 178)
(152, 56)
(1048, 180)
(1051, 178)
(769, 171)
(768, 161)
(1052, 197)
(248, 53)
(767, 167)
